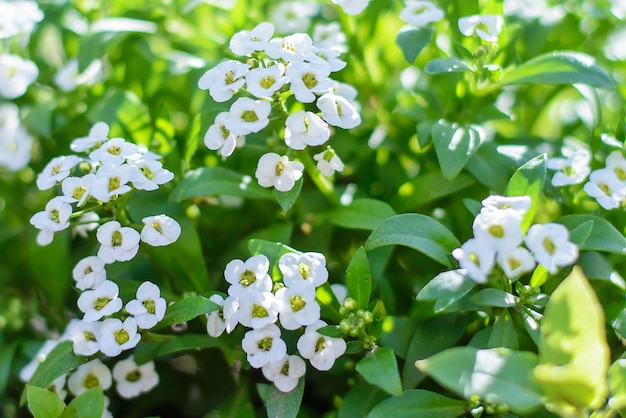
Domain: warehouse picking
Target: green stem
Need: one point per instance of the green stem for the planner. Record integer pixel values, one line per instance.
(323, 184)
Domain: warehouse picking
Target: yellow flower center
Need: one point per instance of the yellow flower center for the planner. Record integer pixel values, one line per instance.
(150, 306)
(496, 231)
(100, 303)
(114, 150)
(133, 376)
(320, 344)
(309, 80)
(280, 168)
(259, 312)
(247, 278)
(548, 244)
(121, 336)
(79, 192)
(157, 227)
(265, 344)
(114, 183)
(305, 270)
(116, 239)
(249, 116)
(91, 381)
(147, 173)
(267, 82)
(297, 303)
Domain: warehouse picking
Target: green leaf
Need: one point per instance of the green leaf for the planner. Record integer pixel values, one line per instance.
(361, 214)
(416, 231)
(146, 352)
(454, 145)
(539, 277)
(528, 181)
(90, 403)
(187, 309)
(503, 333)
(272, 250)
(287, 405)
(490, 168)
(597, 267)
(495, 297)
(209, 181)
(617, 385)
(427, 188)
(559, 67)
(57, 363)
(359, 279)
(573, 351)
(328, 302)
(380, 368)
(412, 40)
(446, 288)
(498, 374)
(360, 399)
(592, 233)
(43, 403)
(7, 353)
(418, 403)
(287, 199)
(446, 65)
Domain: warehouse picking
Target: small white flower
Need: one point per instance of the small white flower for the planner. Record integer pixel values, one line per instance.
(131, 379)
(78, 189)
(89, 273)
(289, 17)
(519, 204)
(338, 111)
(56, 170)
(55, 218)
(215, 324)
(160, 230)
(476, 258)
(86, 223)
(15, 142)
(113, 151)
(515, 261)
(245, 42)
(251, 274)
(421, 13)
(326, 56)
(307, 79)
(248, 116)
(149, 307)
(117, 336)
(279, 172)
(346, 91)
(149, 175)
(328, 162)
(320, 350)
(285, 373)
(84, 336)
(498, 229)
(219, 137)
(89, 375)
(617, 163)
(304, 128)
(264, 346)
(571, 170)
(98, 134)
(291, 48)
(604, 186)
(308, 266)
(487, 27)
(352, 7)
(117, 243)
(297, 305)
(550, 246)
(223, 80)
(257, 309)
(68, 77)
(111, 181)
(329, 36)
(230, 312)
(100, 302)
(16, 75)
(263, 82)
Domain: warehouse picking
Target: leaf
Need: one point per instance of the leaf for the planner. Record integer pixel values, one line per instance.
(427, 188)
(593, 233)
(285, 405)
(528, 181)
(361, 214)
(44, 403)
(359, 279)
(539, 277)
(272, 250)
(503, 333)
(454, 146)
(7, 353)
(380, 368)
(90, 403)
(287, 199)
(573, 352)
(416, 231)
(559, 67)
(58, 362)
(328, 303)
(498, 374)
(209, 181)
(146, 352)
(495, 297)
(617, 385)
(490, 168)
(412, 40)
(418, 403)
(446, 65)
(187, 309)
(360, 399)
(446, 288)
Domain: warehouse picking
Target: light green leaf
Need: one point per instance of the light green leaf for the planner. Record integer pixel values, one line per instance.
(90, 403)
(412, 40)
(57, 363)
(287, 199)
(528, 181)
(43, 403)
(617, 385)
(361, 214)
(454, 146)
(573, 351)
(359, 279)
(559, 67)
(446, 288)
(187, 309)
(593, 233)
(498, 374)
(495, 297)
(285, 404)
(380, 368)
(539, 277)
(446, 65)
(416, 231)
(209, 181)
(418, 403)
(328, 302)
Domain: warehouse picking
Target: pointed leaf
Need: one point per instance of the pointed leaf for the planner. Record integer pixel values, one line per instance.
(446, 65)
(44, 403)
(503, 333)
(412, 40)
(418, 403)
(446, 288)
(528, 181)
(360, 399)
(380, 368)
(361, 214)
(187, 309)
(287, 199)
(454, 145)
(359, 279)
(287, 405)
(209, 181)
(57, 363)
(593, 233)
(495, 297)
(90, 403)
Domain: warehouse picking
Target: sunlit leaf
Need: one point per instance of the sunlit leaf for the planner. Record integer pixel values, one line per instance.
(379, 367)
(418, 403)
(287, 199)
(361, 214)
(90, 403)
(281, 404)
(446, 65)
(446, 288)
(43, 403)
(528, 180)
(593, 233)
(412, 40)
(57, 363)
(454, 145)
(358, 279)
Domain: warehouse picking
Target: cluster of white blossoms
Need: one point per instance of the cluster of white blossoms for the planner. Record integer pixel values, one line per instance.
(15, 141)
(256, 301)
(498, 239)
(272, 70)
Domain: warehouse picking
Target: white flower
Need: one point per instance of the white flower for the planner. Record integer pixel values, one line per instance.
(617, 163)
(57, 387)
(420, 13)
(160, 230)
(89, 273)
(248, 116)
(56, 170)
(86, 223)
(248, 275)
(320, 350)
(89, 375)
(292, 48)
(27, 371)
(338, 111)
(352, 7)
(55, 218)
(117, 336)
(98, 134)
(285, 373)
(18, 17)
(149, 175)
(571, 170)
(223, 80)
(111, 181)
(257, 309)
(131, 379)
(84, 336)
(487, 27)
(100, 302)
(308, 266)
(264, 346)
(16, 75)
(604, 186)
(15, 142)
(328, 162)
(515, 261)
(289, 17)
(329, 36)
(149, 307)
(265, 81)
(304, 128)
(498, 229)
(297, 306)
(78, 189)
(68, 77)
(230, 311)
(246, 42)
(219, 137)
(118, 243)
(307, 79)
(346, 91)
(279, 172)
(519, 204)
(326, 56)
(113, 151)
(476, 258)
(215, 324)
(550, 246)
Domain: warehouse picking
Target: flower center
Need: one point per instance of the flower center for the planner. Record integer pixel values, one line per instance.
(54, 215)
(620, 173)
(114, 183)
(89, 336)
(513, 263)
(121, 336)
(100, 303)
(150, 306)
(91, 381)
(288, 46)
(305, 270)
(265, 344)
(249, 116)
(280, 168)
(56, 169)
(88, 270)
(116, 239)
(285, 369)
(267, 82)
(473, 257)
(259, 312)
(320, 344)
(114, 150)
(157, 227)
(297, 303)
(605, 188)
(339, 110)
(548, 244)
(420, 10)
(133, 376)
(78, 192)
(496, 231)
(225, 132)
(309, 80)
(147, 173)
(247, 278)
(229, 77)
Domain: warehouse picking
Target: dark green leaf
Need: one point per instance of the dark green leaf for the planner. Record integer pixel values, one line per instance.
(380, 368)
(359, 279)
(503, 333)
(360, 399)
(592, 233)
(90, 403)
(446, 65)
(528, 181)
(412, 40)
(186, 309)
(331, 331)
(57, 363)
(490, 168)
(209, 181)
(494, 297)
(354, 347)
(287, 199)
(361, 214)
(7, 353)
(446, 288)
(427, 188)
(417, 403)
(43, 403)
(454, 145)
(179, 344)
(287, 405)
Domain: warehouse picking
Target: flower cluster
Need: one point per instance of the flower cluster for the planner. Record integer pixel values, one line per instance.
(274, 70)
(256, 301)
(498, 238)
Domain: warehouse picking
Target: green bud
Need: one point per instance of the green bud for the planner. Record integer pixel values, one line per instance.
(350, 304)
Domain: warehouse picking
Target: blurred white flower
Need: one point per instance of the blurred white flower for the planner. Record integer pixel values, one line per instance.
(421, 13)
(117, 336)
(519, 204)
(328, 162)
(289, 17)
(248, 116)
(27, 371)
(605, 187)
(55, 218)
(100, 302)
(617, 163)
(19, 17)
(85, 223)
(304, 128)
(117, 243)
(15, 142)
(245, 42)
(89, 375)
(352, 7)
(84, 336)
(278, 172)
(515, 261)
(307, 266)
(264, 346)
(329, 36)
(499, 229)
(16, 75)
(219, 137)
(320, 350)
(291, 48)
(326, 56)
(215, 323)
(573, 169)
(68, 77)
(550, 246)
(113, 151)
(487, 27)
(149, 307)
(131, 379)
(98, 134)
(285, 373)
